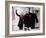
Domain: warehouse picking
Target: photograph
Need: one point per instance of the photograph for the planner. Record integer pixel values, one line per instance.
(24, 19)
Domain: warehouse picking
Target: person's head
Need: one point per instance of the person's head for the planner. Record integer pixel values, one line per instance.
(23, 11)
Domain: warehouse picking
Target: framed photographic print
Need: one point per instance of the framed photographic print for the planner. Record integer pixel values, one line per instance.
(24, 18)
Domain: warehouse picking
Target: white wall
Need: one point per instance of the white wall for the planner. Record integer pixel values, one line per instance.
(2, 19)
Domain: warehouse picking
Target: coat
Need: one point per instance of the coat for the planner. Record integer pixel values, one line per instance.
(29, 20)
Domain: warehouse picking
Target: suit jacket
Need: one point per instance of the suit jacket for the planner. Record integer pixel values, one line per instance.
(29, 20)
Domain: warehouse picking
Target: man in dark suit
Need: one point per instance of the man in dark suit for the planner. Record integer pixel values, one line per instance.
(29, 20)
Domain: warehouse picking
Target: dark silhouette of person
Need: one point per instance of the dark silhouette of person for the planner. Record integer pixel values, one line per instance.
(29, 20)
(20, 24)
